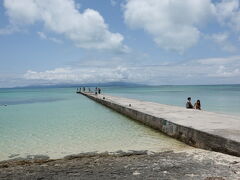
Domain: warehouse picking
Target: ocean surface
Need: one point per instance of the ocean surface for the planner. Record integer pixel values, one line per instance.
(57, 122)
(216, 98)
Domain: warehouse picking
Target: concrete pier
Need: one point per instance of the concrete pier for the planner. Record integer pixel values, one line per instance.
(201, 129)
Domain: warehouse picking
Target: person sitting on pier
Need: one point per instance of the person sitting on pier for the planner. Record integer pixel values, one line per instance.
(189, 104)
(197, 105)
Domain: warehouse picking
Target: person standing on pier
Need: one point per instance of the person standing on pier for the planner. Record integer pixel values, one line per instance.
(96, 91)
(99, 91)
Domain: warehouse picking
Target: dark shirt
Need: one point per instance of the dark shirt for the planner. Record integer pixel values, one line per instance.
(189, 105)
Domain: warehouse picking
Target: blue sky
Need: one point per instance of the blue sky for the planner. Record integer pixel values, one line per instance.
(143, 41)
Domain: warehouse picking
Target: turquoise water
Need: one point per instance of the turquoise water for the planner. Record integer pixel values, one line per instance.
(217, 98)
(58, 122)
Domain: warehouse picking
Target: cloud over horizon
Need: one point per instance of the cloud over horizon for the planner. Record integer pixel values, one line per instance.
(140, 41)
(217, 70)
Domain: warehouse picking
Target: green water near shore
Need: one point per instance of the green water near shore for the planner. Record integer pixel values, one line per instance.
(58, 122)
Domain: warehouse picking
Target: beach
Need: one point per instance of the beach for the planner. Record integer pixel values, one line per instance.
(131, 89)
(194, 164)
(56, 143)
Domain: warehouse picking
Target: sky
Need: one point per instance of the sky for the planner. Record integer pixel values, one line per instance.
(154, 42)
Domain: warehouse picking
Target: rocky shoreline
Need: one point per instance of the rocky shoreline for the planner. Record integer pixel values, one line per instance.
(193, 164)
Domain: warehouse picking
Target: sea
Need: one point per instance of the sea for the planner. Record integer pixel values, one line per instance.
(57, 122)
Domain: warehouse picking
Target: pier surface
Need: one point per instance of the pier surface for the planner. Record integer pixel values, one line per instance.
(202, 129)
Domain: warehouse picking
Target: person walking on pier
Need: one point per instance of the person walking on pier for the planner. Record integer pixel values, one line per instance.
(189, 104)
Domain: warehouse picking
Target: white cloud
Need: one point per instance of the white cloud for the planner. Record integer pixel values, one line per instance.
(58, 41)
(42, 35)
(8, 30)
(222, 67)
(173, 24)
(220, 61)
(176, 25)
(223, 72)
(228, 13)
(86, 29)
(211, 70)
(222, 39)
(79, 75)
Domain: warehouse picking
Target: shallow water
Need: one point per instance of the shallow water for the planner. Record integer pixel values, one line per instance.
(58, 122)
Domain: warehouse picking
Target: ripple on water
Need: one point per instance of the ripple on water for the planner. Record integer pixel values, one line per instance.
(68, 123)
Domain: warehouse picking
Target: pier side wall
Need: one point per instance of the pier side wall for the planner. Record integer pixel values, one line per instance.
(187, 135)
